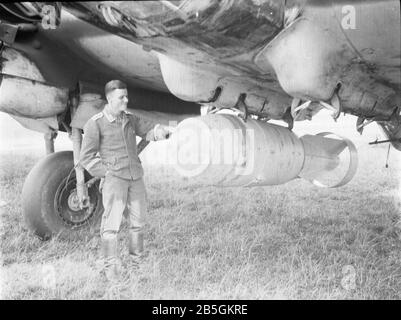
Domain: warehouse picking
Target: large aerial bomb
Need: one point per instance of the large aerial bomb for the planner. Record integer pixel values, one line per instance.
(222, 149)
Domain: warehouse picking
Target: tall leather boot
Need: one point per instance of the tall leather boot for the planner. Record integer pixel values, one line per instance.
(109, 253)
(135, 245)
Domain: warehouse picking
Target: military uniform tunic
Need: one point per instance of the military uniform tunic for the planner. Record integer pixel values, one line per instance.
(109, 151)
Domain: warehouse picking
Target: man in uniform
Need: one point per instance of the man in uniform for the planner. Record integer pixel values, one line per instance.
(109, 151)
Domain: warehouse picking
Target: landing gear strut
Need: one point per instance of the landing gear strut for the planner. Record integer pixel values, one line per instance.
(49, 141)
(82, 190)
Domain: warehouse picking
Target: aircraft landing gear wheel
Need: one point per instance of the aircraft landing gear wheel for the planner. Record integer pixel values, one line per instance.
(49, 199)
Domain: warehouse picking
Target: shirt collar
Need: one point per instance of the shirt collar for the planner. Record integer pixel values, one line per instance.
(110, 117)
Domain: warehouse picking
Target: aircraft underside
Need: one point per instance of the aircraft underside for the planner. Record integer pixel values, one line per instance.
(265, 60)
(274, 59)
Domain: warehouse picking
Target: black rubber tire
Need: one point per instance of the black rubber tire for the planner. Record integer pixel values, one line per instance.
(39, 196)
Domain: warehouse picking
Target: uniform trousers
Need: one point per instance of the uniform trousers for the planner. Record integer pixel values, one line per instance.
(120, 194)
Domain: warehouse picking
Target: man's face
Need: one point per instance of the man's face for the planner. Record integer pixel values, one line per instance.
(118, 100)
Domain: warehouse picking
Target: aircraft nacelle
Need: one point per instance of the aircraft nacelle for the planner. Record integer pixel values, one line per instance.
(30, 99)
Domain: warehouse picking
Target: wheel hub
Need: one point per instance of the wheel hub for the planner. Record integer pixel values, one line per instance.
(68, 207)
(73, 201)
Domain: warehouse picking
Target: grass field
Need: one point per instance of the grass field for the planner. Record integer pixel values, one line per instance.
(293, 241)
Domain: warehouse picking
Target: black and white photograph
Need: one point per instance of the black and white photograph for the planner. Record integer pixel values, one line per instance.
(200, 150)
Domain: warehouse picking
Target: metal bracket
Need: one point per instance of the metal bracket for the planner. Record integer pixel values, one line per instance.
(242, 107)
(288, 118)
(334, 106)
(361, 124)
(296, 109)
